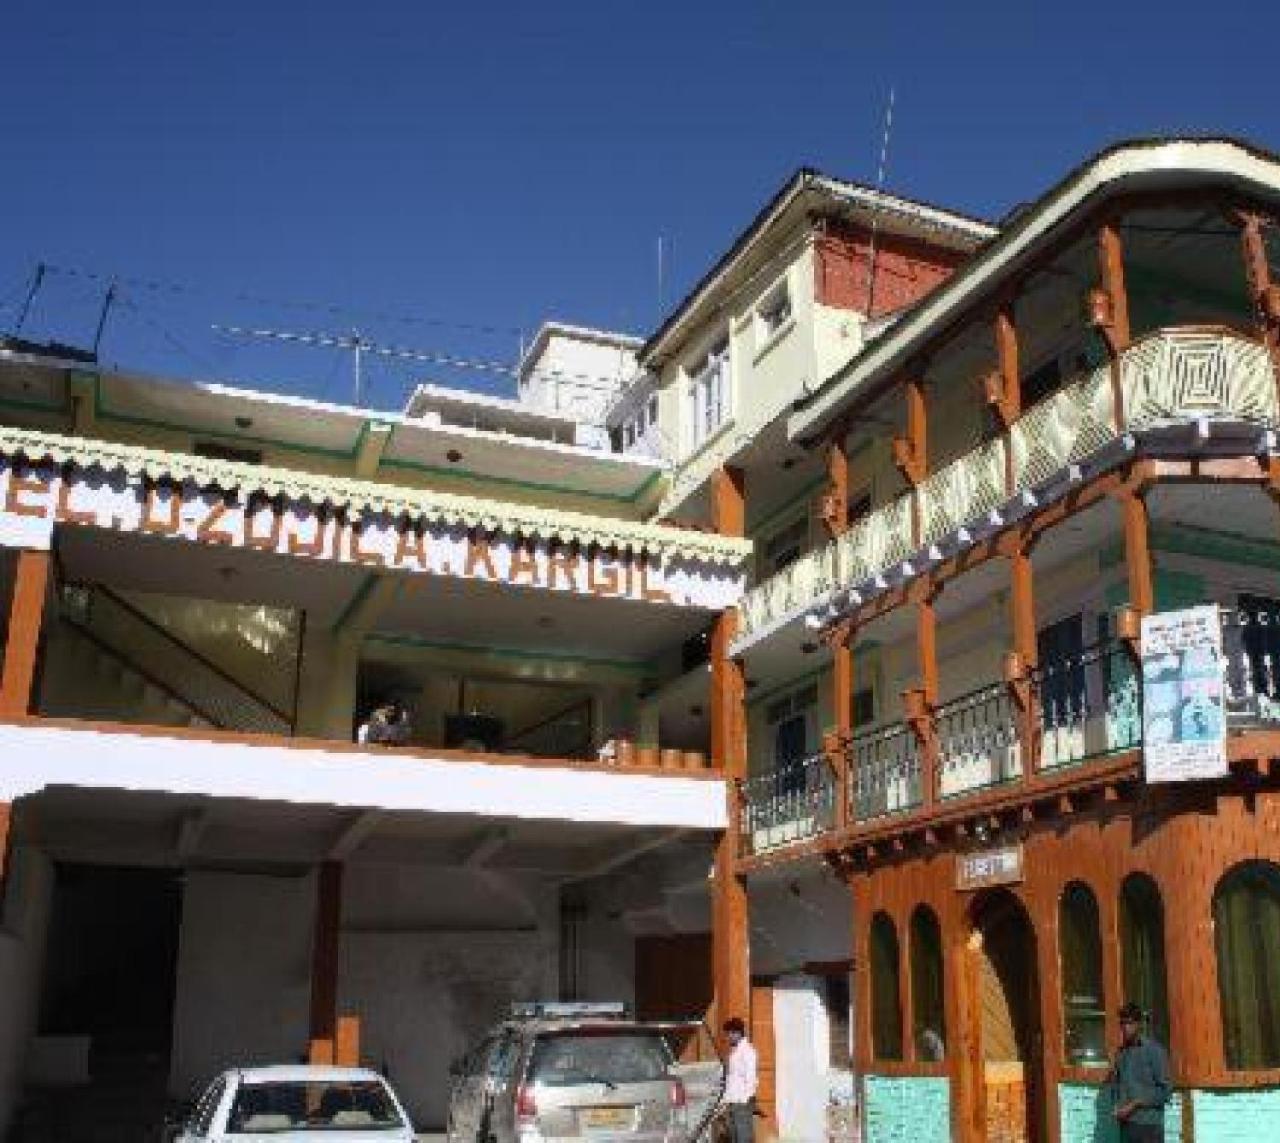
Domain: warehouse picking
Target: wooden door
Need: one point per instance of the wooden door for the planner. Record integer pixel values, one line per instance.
(673, 982)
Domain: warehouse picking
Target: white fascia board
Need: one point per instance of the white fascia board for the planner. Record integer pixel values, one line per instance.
(37, 757)
(1186, 161)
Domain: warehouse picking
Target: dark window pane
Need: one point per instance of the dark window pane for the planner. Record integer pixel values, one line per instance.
(1246, 921)
(1083, 1010)
(886, 990)
(927, 1003)
(1142, 949)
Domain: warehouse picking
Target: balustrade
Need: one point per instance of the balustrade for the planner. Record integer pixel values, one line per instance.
(884, 772)
(1089, 704)
(979, 744)
(1176, 375)
(788, 804)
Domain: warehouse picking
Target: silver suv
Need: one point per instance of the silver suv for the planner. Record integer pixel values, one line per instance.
(568, 1071)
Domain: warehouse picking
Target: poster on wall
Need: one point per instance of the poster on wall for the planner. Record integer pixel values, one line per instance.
(1184, 719)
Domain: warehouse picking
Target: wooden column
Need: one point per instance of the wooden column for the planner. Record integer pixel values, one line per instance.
(920, 702)
(1023, 658)
(837, 748)
(730, 952)
(1110, 307)
(1003, 388)
(1266, 294)
(835, 501)
(26, 614)
(324, 963)
(1137, 551)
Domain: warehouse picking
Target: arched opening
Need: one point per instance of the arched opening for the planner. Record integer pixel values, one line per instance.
(1246, 922)
(1084, 1013)
(886, 990)
(1007, 1001)
(928, 1015)
(1142, 951)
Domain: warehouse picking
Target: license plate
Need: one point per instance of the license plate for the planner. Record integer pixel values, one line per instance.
(608, 1118)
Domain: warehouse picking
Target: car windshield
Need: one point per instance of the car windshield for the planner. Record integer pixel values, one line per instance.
(566, 1058)
(313, 1105)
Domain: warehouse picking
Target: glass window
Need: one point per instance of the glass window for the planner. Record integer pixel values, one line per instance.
(774, 312)
(927, 1012)
(709, 393)
(886, 990)
(1083, 1007)
(609, 1057)
(1142, 950)
(307, 1106)
(1246, 922)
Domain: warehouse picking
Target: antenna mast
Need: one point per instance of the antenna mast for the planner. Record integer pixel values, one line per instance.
(872, 248)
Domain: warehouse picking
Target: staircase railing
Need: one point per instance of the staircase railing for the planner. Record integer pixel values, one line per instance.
(155, 653)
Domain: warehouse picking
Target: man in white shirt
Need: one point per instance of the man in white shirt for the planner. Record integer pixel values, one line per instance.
(741, 1082)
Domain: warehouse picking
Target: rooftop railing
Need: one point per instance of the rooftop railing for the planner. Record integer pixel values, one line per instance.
(1176, 375)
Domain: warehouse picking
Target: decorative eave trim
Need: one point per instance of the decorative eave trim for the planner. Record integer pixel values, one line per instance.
(368, 496)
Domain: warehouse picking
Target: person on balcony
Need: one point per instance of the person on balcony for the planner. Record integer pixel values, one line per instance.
(741, 1082)
(387, 725)
(1140, 1081)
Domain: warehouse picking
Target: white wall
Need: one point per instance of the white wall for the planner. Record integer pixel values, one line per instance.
(23, 931)
(431, 958)
(802, 1044)
(244, 974)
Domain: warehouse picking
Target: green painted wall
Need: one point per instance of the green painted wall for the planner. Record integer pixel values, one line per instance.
(913, 1109)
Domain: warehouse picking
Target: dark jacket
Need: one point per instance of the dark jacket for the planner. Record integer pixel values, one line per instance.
(1141, 1075)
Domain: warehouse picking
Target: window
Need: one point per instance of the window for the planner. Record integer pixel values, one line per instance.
(709, 393)
(774, 312)
(836, 1001)
(886, 990)
(1260, 632)
(1142, 950)
(1246, 923)
(1083, 1009)
(637, 426)
(928, 1014)
(864, 708)
(273, 1106)
(1059, 648)
(859, 506)
(786, 546)
(792, 719)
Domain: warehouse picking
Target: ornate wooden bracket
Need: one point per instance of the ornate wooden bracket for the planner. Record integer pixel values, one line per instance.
(1128, 621)
(1101, 313)
(832, 510)
(996, 393)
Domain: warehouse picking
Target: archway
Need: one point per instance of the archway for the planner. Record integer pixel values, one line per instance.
(1006, 1016)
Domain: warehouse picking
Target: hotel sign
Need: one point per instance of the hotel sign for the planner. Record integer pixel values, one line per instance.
(33, 501)
(989, 867)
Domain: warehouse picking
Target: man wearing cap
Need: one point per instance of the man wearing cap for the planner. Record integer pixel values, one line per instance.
(1140, 1081)
(741, 1082)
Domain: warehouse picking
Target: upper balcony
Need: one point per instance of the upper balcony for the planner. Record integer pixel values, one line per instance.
(1191, 389)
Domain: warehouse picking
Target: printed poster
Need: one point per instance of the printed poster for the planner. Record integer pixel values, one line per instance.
(1184, 717)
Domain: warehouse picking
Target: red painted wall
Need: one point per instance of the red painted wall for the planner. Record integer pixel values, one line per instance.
(906, 270)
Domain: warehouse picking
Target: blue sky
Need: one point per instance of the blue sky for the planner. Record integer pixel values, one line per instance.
(444, 176)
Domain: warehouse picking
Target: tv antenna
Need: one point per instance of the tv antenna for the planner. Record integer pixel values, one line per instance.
(881, 171)
(361, 347)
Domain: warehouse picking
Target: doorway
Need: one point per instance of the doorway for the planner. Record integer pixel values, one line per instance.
(111, 969)
(1007, 997)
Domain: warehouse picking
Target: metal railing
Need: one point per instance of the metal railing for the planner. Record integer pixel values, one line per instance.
(788, 804)
(979, 744)
(1175, 375)
(1089, 705)
(884, 772)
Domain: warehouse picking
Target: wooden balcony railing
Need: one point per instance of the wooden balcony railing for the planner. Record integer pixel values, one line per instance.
(1086, 710)
(1175, 375)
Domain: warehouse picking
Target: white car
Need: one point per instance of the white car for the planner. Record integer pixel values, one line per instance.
(302, 1103)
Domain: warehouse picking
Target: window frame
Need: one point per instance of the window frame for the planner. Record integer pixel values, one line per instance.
(925, 914)
(1249, 924)
(1084, 931)
(886, 1008)
(709, 390)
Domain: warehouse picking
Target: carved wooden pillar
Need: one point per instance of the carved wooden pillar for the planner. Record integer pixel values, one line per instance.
(1003, 388)
(1266, 294)
(835, 500)
(730, 932)
(1021, 661)
(1137, 550)
(837, 745)
(1110, 308)
(26, 615)
(324, 963)
(920, 702)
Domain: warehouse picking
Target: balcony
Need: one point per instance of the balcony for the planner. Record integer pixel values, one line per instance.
(1084, 711)
(1173, 379)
